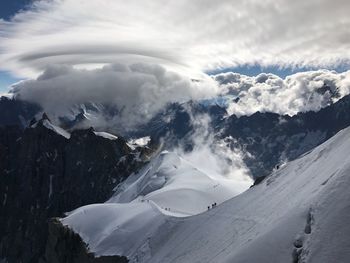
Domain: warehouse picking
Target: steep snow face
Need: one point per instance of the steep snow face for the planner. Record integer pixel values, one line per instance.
(301, 212)
(106, 135)
(177, 187)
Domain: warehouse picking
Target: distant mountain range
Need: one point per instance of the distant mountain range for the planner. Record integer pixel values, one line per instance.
(267, 139)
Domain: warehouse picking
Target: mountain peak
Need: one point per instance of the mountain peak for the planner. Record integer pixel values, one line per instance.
(46, 123)
(45, 117)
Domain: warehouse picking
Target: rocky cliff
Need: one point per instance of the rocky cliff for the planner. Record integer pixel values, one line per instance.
(45, 172)
(65, 246)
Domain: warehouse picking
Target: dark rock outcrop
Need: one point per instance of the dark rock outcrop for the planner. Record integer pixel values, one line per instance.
(65, 246)
(44, 174)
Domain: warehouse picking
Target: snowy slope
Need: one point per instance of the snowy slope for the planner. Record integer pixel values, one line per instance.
(117, 229)
(106, 135)
(302, 211)
(176, 186)
(168, 187)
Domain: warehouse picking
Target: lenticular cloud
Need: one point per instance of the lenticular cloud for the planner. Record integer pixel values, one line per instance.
(188, 36)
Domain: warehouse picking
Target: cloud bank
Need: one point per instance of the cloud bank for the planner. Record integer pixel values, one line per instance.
(138, 90)
(301, 92)
(189, 36)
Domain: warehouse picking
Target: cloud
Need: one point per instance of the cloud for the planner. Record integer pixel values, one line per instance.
(183, 35)
(214, 156)
(301, 92)
(137, 90)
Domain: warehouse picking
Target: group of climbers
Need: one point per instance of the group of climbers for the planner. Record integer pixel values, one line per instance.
(212, 206)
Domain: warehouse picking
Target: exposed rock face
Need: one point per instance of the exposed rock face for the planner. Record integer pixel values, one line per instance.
(63, 246)
(44, 174)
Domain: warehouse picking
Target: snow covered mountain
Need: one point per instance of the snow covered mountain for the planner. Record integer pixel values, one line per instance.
(297, 214)
(167, 187)
(169, 179)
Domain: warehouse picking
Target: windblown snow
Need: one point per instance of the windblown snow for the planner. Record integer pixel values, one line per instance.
(300, 213)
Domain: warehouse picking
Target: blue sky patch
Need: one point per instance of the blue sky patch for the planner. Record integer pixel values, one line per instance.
(6, 80)
(10, 7)
(279, 71)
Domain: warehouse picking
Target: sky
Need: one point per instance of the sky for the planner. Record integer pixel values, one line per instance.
(8, 8)
(192, 39)
(6, 80)
(197, 35)
(283, 72)
(11, 7)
